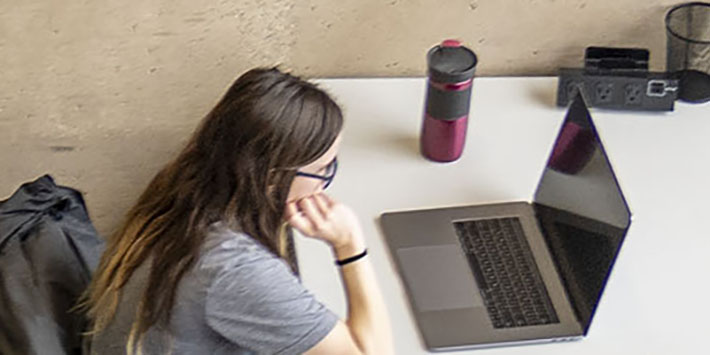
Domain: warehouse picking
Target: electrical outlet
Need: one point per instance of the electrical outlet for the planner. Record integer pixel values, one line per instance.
(603, 92)
(649, 91)
(633, 93)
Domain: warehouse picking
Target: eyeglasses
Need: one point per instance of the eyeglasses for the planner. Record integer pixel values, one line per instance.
(330, 170)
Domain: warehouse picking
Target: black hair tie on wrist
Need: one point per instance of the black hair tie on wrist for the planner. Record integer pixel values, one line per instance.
(351, 259)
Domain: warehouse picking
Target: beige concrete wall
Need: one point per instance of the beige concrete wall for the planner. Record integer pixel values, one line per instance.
(101, 93)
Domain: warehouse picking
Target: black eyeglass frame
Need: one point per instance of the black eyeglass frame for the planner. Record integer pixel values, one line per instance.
(327, 178)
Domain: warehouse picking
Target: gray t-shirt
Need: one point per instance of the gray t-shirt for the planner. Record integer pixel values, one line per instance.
(238, 299)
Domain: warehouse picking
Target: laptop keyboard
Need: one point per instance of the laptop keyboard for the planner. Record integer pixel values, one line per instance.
(506, 273)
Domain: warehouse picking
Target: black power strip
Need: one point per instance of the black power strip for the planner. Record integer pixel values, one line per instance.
(619, 90)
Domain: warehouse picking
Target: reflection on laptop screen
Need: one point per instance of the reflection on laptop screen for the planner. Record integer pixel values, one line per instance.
(581, 210)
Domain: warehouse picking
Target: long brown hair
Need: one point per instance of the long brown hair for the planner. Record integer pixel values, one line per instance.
(237, 168)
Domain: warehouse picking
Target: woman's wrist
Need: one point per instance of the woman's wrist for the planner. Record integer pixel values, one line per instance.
(352, 247)
(352, 259)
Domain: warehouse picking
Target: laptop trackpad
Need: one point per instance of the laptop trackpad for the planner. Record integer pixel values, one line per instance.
(439, 277)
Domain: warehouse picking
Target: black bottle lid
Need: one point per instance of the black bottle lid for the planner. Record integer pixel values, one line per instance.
(450, 62)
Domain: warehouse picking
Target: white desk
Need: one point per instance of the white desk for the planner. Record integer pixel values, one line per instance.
(656, 299)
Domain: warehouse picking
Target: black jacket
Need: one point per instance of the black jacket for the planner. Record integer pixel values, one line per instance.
(48, 250)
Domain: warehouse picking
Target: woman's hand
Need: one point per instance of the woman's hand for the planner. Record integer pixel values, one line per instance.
(319, 216)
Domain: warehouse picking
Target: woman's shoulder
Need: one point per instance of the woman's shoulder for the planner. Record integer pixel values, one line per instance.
(234, 263)
(228, 249)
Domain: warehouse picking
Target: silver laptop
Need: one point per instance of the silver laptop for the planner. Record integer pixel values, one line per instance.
(518, 272)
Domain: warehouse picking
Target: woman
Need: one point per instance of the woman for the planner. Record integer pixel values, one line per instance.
(200, 264)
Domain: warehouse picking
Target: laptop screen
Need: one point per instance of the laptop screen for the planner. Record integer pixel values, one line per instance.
(581, 210)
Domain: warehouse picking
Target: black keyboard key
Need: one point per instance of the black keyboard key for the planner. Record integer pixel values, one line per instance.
(507, 276)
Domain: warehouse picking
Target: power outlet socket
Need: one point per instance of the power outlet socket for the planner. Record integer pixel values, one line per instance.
(633, 94)
(647, 91)
(603, 92)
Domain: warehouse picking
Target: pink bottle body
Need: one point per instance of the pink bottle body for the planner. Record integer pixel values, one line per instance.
(443, 140)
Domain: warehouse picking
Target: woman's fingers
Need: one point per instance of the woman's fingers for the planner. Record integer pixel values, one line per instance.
(297, 220)
(321, 217)
(322, 204)
(311, 212)
(328, 200)
(291, 210)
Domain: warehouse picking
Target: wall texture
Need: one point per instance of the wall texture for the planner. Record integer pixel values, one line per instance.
(101, 93)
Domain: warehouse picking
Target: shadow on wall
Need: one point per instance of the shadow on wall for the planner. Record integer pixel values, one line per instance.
(110, 169)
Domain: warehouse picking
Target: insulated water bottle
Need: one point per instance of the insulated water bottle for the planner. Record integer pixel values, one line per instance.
(451, 67)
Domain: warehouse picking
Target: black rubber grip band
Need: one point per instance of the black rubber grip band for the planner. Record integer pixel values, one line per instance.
(351, 259)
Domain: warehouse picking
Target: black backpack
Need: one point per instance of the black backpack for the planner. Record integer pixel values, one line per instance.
(48, 251)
